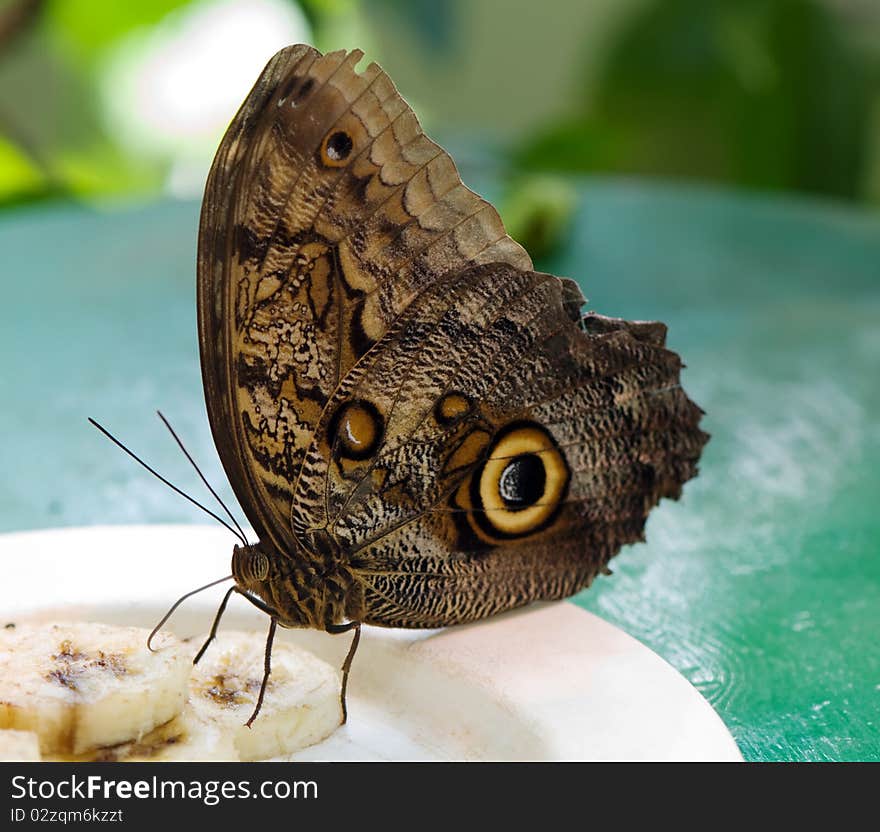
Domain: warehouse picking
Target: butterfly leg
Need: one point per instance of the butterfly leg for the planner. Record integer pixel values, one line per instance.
(260, 605)
(267, 669)
(213, 633)
(346, 665)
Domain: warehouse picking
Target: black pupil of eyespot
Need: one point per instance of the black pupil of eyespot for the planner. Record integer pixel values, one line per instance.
(522, 482)
(339, 146)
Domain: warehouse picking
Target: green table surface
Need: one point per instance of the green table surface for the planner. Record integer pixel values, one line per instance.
(762, 585)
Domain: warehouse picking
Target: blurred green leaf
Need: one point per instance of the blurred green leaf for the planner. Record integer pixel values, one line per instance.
(435, 25)
(537, 212)
(18, 175)
(49, 109)
(91, 26)
(579, 145)
(765, 93)
(103, 170)
(316, 10)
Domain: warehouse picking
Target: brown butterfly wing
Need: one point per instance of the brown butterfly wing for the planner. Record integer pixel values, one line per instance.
(490, 371)
(326, 212)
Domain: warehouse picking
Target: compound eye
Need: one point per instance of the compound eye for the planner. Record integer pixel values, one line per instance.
(522, 483)
(249, 565)
(260, 567)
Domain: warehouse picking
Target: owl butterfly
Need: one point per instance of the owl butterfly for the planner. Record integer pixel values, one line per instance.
(421, 429)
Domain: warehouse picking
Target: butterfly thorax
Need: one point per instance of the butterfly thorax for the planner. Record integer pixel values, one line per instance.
(302, 589)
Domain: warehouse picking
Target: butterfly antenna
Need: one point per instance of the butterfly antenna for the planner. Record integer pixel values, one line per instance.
(178, 602)
(173, 487)
(202, 476)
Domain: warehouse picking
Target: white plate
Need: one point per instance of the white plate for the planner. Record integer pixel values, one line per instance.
(551, 682)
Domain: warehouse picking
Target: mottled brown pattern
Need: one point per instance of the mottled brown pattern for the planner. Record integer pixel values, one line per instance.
(345, 269)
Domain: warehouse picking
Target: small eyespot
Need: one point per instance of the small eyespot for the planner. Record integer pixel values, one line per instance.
(355, 430)
(451, 408)
(336, 149)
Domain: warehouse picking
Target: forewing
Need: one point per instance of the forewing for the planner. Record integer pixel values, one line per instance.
(326, 213)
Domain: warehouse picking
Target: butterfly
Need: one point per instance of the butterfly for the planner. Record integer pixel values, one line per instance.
(421, 429)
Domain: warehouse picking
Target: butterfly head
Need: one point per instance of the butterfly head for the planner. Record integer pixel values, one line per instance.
(250, 567)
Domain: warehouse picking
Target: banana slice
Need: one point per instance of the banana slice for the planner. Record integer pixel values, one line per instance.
(19, 747)
(184, 739)
(79, 686)
(300, 708)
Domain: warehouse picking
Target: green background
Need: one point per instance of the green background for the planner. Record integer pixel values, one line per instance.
(762, 585)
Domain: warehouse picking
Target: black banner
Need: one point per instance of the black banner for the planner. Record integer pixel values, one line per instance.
(397, 795)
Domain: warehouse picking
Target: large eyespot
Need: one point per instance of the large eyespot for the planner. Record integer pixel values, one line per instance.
(355, 430)
(336, 148)
(521, 485)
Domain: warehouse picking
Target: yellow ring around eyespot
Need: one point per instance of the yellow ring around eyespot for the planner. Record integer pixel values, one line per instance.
(525, 440)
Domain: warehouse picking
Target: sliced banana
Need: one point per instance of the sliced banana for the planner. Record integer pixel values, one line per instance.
(300, 708)
(80, 686)
(185, 738)
(19, 747)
